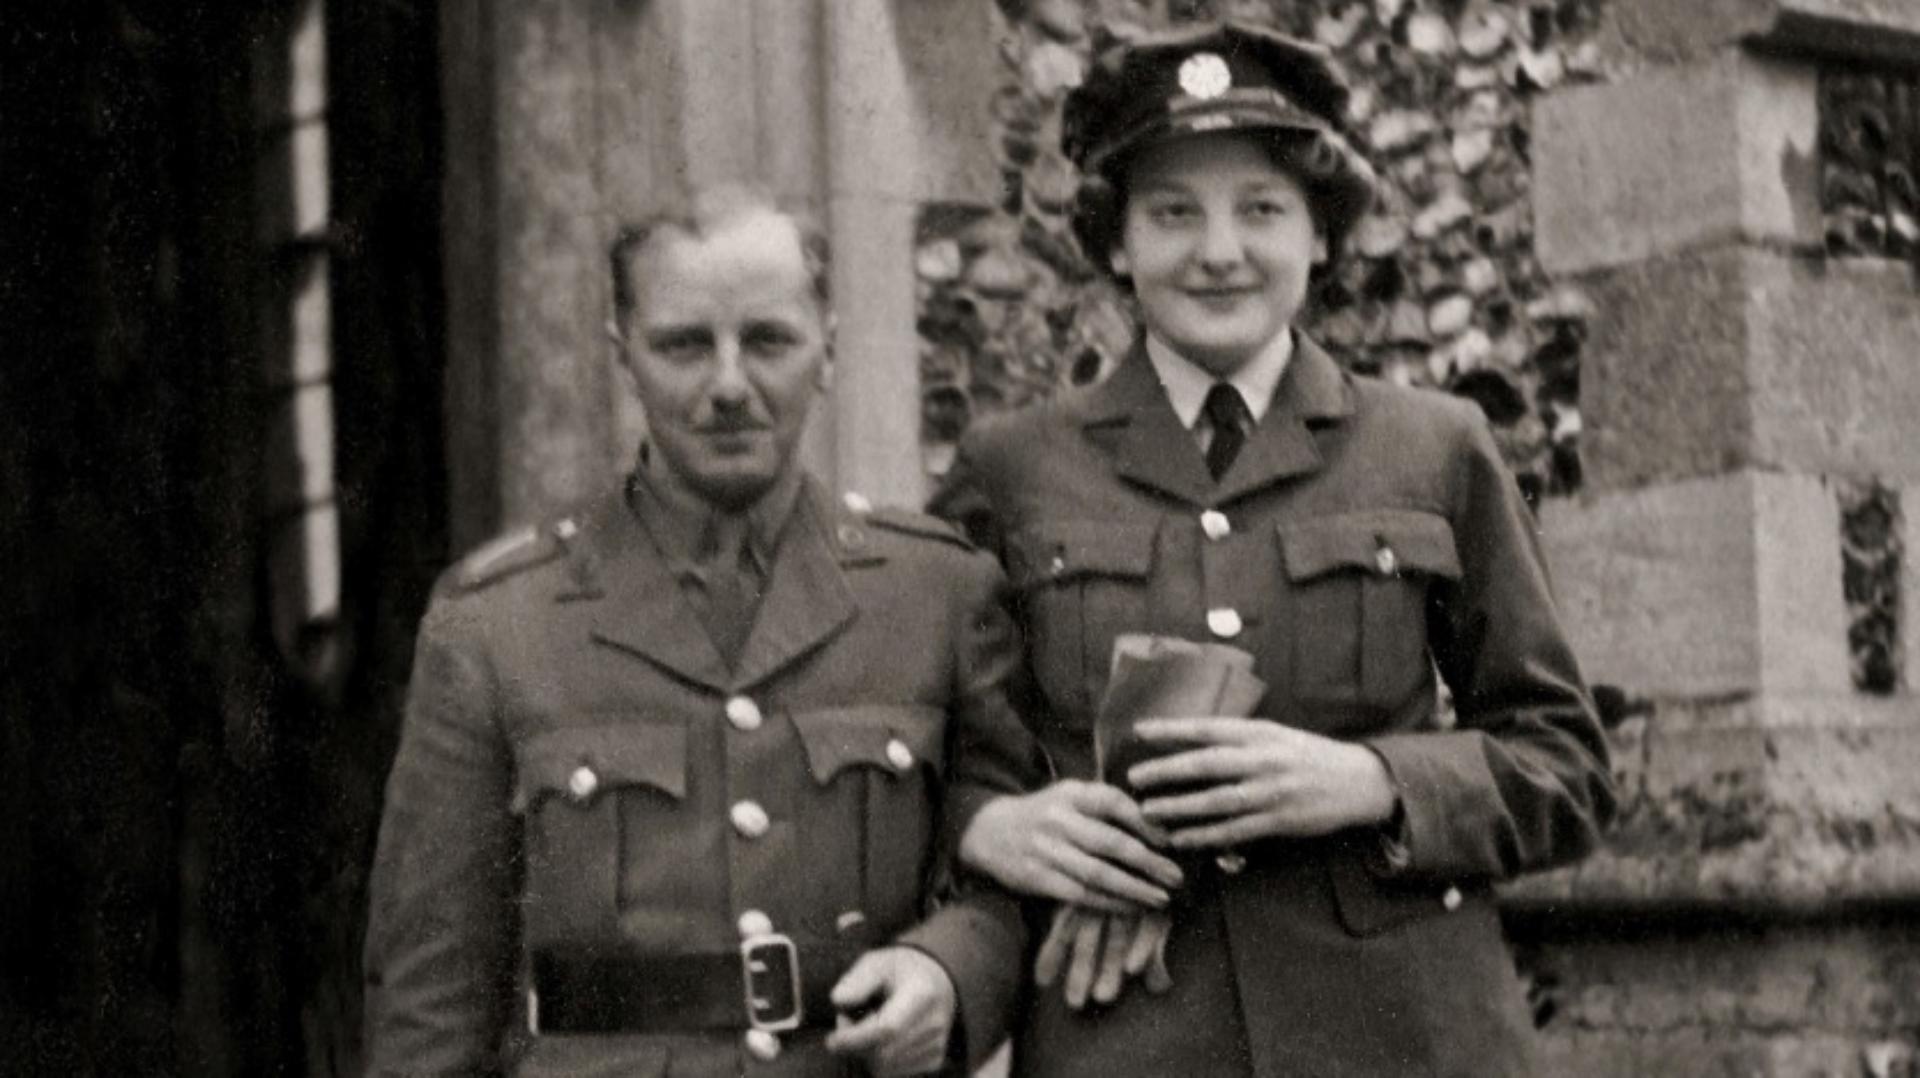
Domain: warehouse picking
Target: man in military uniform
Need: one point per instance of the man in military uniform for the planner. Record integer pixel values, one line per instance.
(680, 774)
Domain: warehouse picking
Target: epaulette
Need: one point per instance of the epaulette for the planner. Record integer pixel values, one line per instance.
(512, 553)
(908, 522)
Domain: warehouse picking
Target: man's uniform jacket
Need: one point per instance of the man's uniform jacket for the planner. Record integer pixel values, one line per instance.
(1365, 536)
(581, 775)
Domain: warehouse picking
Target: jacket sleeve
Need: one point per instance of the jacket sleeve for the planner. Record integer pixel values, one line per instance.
(977, 934)
(439, 950)
(1522, 781)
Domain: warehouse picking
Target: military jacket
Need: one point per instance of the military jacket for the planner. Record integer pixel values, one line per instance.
(1366, 538)
(580, 773)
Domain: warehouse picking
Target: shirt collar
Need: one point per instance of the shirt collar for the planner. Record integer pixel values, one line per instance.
(1187, 383)
(688, 529)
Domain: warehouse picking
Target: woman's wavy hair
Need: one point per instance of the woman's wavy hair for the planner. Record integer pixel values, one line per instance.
(1339, 186)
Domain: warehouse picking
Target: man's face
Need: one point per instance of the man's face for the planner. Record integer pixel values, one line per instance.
(727, 346)
(1220, 243)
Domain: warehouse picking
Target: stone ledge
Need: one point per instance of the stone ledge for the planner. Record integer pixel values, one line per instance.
(1747, 806)
(1740, 357)
(1664, 31)
(1704, 587)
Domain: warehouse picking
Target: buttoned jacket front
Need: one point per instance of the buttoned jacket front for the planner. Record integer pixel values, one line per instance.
(1365, 537)
(580, 773)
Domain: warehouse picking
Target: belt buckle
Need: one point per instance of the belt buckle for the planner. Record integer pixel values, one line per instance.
(770, 982)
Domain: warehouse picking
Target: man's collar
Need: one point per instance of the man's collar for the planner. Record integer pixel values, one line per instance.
(688, 529)
(1187, 383)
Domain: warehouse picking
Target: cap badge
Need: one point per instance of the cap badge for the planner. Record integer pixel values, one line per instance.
(1205, 75)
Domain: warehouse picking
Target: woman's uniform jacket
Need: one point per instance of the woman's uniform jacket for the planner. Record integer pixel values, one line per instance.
(1365, 536)
(583, 785)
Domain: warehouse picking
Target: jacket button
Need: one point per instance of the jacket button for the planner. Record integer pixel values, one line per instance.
(849, 921)
(582, 782)
(566, 529)
(1231, 863)
(1058, 565)
(1224, 621)
(749, 819)
(754, 924)
(743, 713)
(1386, 560)
(1215, 524)
(899, 755)
(762, 1045)
(856, 502)
(1450, 899)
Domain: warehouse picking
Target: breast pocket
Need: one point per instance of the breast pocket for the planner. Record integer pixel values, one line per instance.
(1359, 585)
(878, 773)
(571, 787)
(1081, 584)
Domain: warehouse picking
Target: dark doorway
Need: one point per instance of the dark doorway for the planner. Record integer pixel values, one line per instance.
(185, 815)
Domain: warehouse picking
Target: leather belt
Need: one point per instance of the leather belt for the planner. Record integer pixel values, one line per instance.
(769, 983)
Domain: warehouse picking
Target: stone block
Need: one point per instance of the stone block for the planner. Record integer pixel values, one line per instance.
(1739, 357)
(1663, 31)
(907, 96)
(875, 417)
(1720, 151)
(1770, 806)
(1704, 588)
(1908, 612)
(1729, 1000)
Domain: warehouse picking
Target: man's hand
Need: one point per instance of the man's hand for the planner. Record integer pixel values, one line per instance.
(910, 1003)
(1100, 951)
(1260, 779)
(1081, 843)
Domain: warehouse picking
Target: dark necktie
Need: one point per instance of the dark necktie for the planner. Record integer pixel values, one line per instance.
(1227, 414)
(733, 591)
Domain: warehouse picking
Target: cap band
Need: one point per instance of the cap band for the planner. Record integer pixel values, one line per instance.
(1250, 108)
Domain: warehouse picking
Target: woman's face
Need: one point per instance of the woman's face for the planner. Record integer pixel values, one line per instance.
(1219, 242)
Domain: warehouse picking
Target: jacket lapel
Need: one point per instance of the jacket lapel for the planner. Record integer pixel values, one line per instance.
(1282, 445)
(1130, 417)
(639, 607)
(807, 599)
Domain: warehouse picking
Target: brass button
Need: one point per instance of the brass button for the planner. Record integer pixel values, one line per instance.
(1386, 560)
(849, 921)
(856, 502)
(763, 1045)
(1450, 899)
(582, 782)
(566, 529)
(899, 755)
(1224, 622)
(1058, 565)
(743, 713)
(754, 924)
(749, 819)
(1231, 863)
(1215, 524)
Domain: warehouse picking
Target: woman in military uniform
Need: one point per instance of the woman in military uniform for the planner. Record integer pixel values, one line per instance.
(1326, 864)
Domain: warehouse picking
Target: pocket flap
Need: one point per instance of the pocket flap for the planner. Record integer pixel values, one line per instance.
(866, 736)
(1384, 541)
(1057, 550)
(1370, 905)
(579, 763)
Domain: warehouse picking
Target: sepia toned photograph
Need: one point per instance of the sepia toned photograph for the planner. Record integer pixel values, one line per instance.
(988, 538)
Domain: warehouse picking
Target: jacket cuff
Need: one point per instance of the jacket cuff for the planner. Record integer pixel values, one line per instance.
(1449, 805)
(980, 943)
